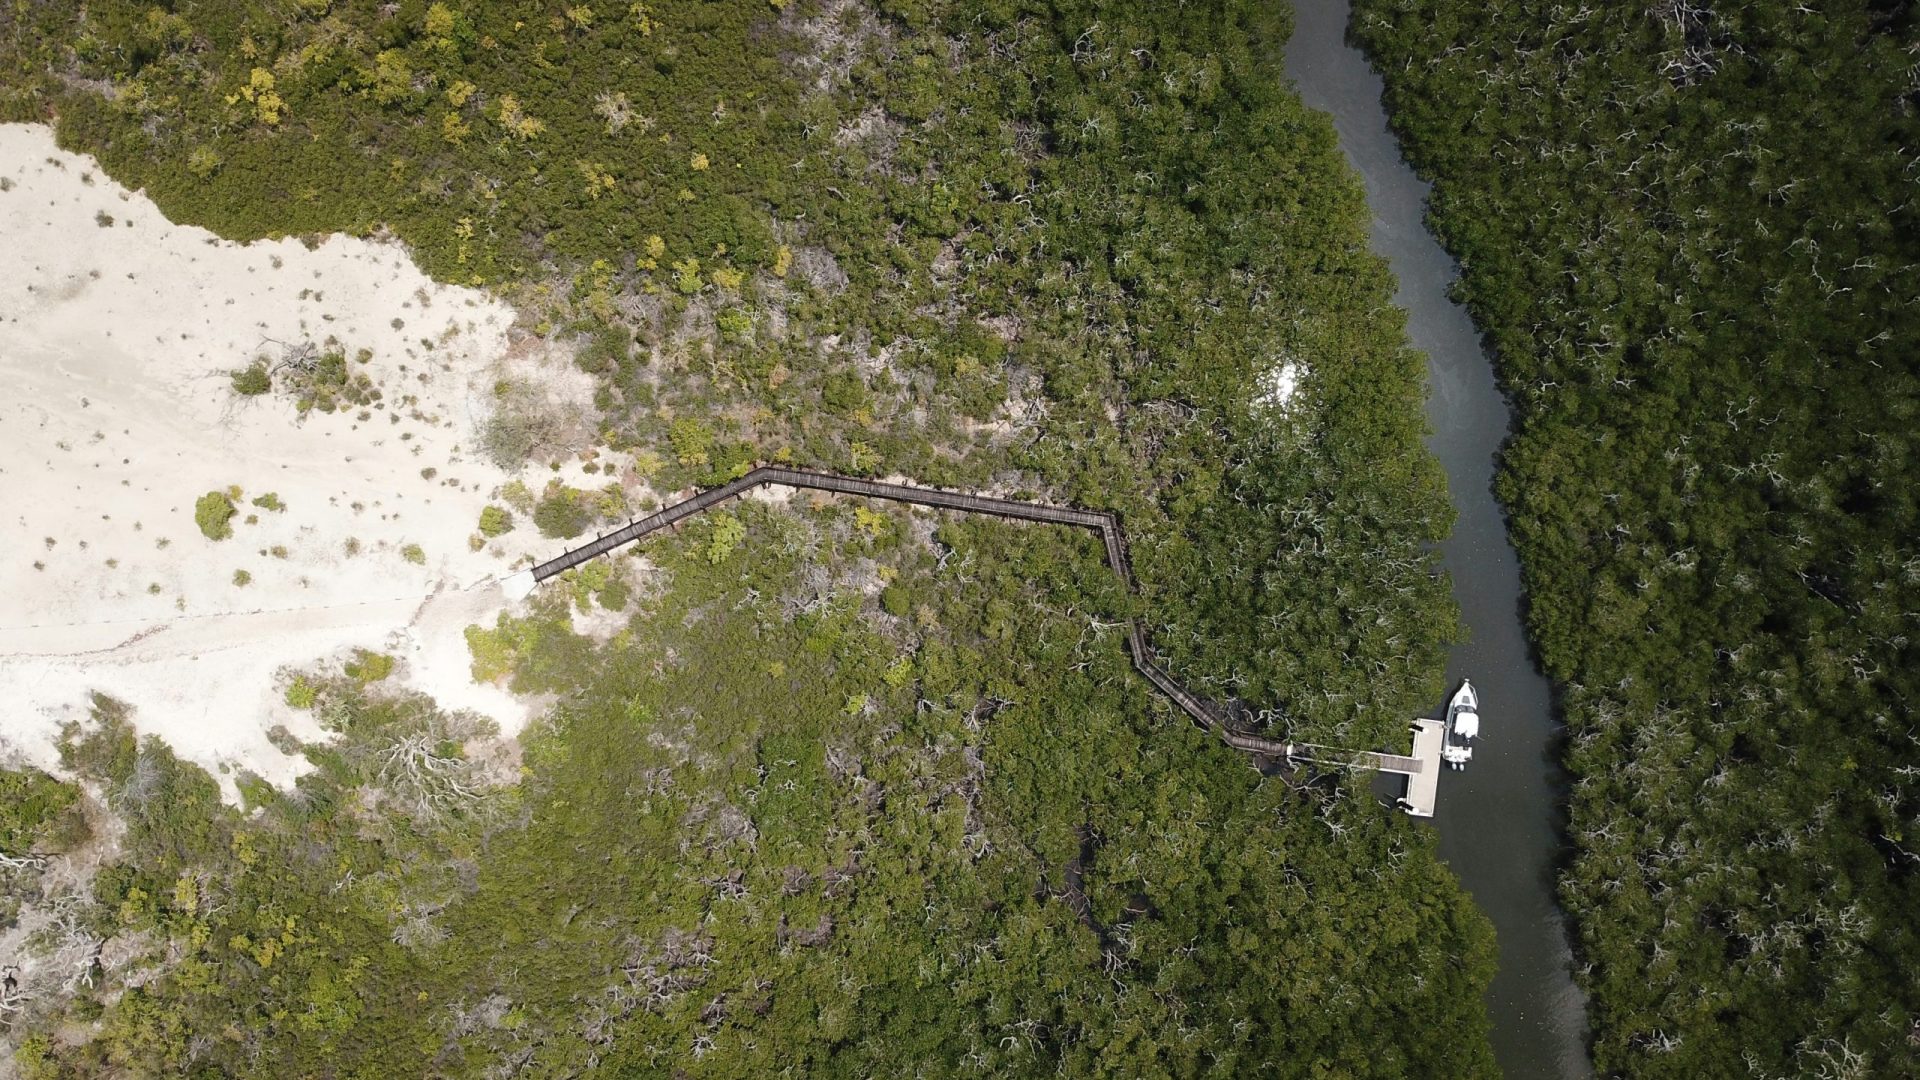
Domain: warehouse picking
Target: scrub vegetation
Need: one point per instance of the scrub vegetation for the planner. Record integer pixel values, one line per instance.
(852, 791)
(213, 513)
(495, 521)
(772, 828)
(1689, 232)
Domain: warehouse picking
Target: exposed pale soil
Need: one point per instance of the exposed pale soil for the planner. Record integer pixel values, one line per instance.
(116, 343)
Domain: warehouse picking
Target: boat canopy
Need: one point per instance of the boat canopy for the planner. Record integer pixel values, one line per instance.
(1466, 723)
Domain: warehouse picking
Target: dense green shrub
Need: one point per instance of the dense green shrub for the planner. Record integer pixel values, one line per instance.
(252, 380)
(1117, 213)
(495, 521)
(1687, 231)
(562, 514)
(614, 594)
(302, 693)
(213, 512)
(38, 812)
(809, 803)
(368, 666)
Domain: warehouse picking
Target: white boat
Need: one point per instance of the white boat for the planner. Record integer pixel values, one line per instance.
(1463, 724)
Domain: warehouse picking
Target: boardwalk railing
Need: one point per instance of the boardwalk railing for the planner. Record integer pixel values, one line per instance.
(1206, 713)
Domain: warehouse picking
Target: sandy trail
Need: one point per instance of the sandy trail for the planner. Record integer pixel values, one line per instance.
(118, 333)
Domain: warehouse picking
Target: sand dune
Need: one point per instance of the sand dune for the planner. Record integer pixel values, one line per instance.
(118, 331)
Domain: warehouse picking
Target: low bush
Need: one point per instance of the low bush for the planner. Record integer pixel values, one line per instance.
(252, 380)
(561, 514)
(518, 495)
(213, 512)
(369, 667)
(321, 380)
(614, 595)
(37, 811)
(301, 694)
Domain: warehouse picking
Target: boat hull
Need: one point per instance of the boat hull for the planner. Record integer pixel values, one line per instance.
(1463, 724)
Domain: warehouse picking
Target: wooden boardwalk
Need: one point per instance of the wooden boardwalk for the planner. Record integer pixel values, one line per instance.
(1422, 768)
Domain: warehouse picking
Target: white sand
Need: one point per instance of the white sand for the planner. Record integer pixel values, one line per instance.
(115, 347)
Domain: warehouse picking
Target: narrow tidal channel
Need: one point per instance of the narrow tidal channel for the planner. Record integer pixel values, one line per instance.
(1498, 819)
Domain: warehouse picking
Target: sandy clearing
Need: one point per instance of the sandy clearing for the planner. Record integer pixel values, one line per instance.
(117, 333)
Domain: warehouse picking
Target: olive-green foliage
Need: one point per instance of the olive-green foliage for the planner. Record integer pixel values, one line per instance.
(37, 812)
(172, 810)
(518, 496)
(894, 600)
(562, 513)
(615, 594)
(368, 666)
(270, 501)
(266, 947)
(326, 383)
(465, 113)
(728, 869)
(724, 535)
(1136, 224)
(1688, 232)
(302, 693)
(492, 651)
(1096, 225)
(598, 581)
(495, 521)
(252, 380)
(414, 553)
(735, 323)
(213, 512)
(537, 650)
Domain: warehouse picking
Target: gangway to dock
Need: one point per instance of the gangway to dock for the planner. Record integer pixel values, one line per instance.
(1421, 768)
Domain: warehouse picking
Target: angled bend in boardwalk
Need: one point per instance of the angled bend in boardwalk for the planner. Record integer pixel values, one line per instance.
(1206, 713)
(847, 485)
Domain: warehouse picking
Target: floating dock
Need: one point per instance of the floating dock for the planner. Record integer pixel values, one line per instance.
(1421, 768)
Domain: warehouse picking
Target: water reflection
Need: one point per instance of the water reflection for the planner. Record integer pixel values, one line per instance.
(1498, 820)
